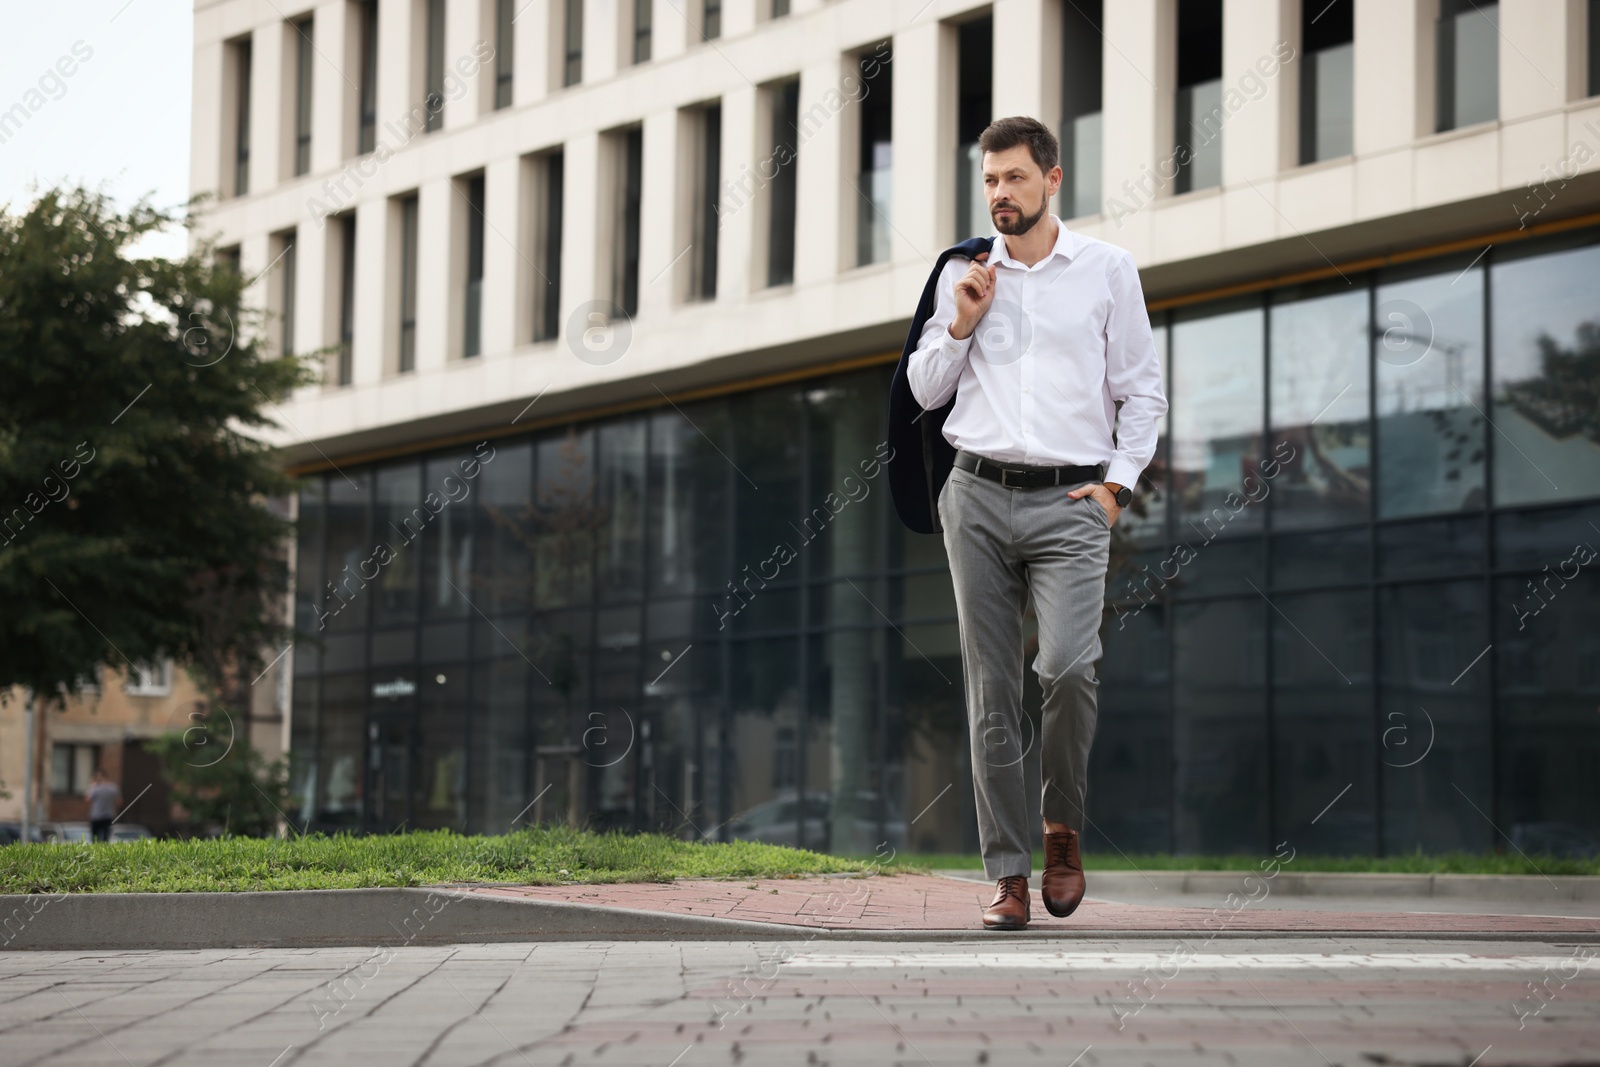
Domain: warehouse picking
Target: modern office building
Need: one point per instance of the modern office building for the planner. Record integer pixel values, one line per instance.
(593, 524)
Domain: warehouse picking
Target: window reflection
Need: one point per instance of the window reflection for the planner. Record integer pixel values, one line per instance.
(1216, 414)
(1547, 376)
(1319, 407)
(1428, 341)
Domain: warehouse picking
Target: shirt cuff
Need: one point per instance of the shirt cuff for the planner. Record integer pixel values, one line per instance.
(1122, 471)
(952, 349)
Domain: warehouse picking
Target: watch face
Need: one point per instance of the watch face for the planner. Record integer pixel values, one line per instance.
(1124, 497)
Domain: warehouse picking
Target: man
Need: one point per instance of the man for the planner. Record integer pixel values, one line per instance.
(1028, 350)
(104, 796)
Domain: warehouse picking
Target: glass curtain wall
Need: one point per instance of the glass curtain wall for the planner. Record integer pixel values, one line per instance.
(1326, 622)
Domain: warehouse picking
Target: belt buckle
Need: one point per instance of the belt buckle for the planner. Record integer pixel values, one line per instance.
(1012, 470)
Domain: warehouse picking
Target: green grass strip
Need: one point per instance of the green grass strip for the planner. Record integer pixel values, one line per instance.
(538, 856)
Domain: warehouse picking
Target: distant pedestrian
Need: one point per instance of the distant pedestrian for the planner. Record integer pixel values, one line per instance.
(104, 796)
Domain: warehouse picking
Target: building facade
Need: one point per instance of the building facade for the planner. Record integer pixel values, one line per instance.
(593, 524)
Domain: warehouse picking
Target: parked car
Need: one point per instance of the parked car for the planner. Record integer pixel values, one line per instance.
(65, 833)
(773, 822)
(11, 833)
(129, 831)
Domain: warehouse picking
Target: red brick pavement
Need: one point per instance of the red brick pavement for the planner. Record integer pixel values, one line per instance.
(931, 902)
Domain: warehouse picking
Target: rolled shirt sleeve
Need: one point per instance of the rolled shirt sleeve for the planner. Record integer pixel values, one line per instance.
(1133, 376)
(935, 367)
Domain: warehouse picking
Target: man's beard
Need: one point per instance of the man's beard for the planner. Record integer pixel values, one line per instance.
(1020, 223)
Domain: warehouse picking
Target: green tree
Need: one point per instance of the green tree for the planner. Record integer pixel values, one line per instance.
(220, 779)
(133, 495)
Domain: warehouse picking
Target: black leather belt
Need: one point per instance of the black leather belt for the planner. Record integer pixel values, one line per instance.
(1023, 476)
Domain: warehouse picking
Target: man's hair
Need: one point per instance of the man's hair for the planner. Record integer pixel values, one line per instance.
(1002, 134)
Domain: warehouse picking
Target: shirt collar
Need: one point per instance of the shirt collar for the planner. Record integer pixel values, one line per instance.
(1065, 247)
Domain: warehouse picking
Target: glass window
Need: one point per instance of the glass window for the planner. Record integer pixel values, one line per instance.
(340, 751)
(1433, 702)
(472, 295)
(974, 109)
(447, 546)
(763, 759)
(345, 367)
(1130, 778)
(497, 787)
(1430, 549)
(1546, 314)
(927, 728)
(874, 181)
(1220, 719)
(690, 490)
(565, 519)
(1145, 521)
(1320, 429)
(433, 68)
(1331, 557)
(1467, 63)
(367, 97)
(1428, 343)
(241, 117)
(840, 527)
(401, 526)
(572, 69)
(1080, 112)
(1547, 734)
(1539, 538)
(1216, 419)
(1199, 116)
(343, 595)
(711, 19)
(408, 284)
(287, 281)
(505, 40)
(310, 529)
(785, 101)
(549, 193)
(1322, 722)
(642, 16)
(767, 487)
(441, 756)
(625, 252)
(1327, 79)
(304, 59)
(503, 510)
(1594, 47)
(621, 517)
(707, 186)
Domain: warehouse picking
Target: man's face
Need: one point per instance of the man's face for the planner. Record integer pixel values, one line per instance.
(1018, 192)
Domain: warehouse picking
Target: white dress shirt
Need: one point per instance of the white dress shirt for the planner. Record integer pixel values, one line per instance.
(1039, 379)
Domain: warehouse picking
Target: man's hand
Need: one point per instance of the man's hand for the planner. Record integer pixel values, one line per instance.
(974, 294)
(1106, 497)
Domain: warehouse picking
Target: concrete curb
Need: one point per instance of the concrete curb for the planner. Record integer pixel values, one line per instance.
(315, 918)
(1504, 888)
(392, 918)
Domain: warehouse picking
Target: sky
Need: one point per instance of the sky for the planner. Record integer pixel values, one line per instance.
(118, 122)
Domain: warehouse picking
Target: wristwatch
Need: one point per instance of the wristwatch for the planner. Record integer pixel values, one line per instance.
(1123, 494)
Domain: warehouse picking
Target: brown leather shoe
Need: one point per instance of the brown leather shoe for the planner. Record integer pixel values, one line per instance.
(1062, 884)
(1009, 909)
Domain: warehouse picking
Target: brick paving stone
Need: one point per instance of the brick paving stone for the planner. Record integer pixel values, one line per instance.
(911, 902)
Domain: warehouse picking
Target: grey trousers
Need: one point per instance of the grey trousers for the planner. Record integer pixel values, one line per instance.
(1003, 544)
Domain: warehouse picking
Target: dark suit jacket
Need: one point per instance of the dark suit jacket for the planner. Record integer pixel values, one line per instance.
(921, 458)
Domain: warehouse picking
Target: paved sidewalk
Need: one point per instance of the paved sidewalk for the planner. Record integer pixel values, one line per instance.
(928, 902)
